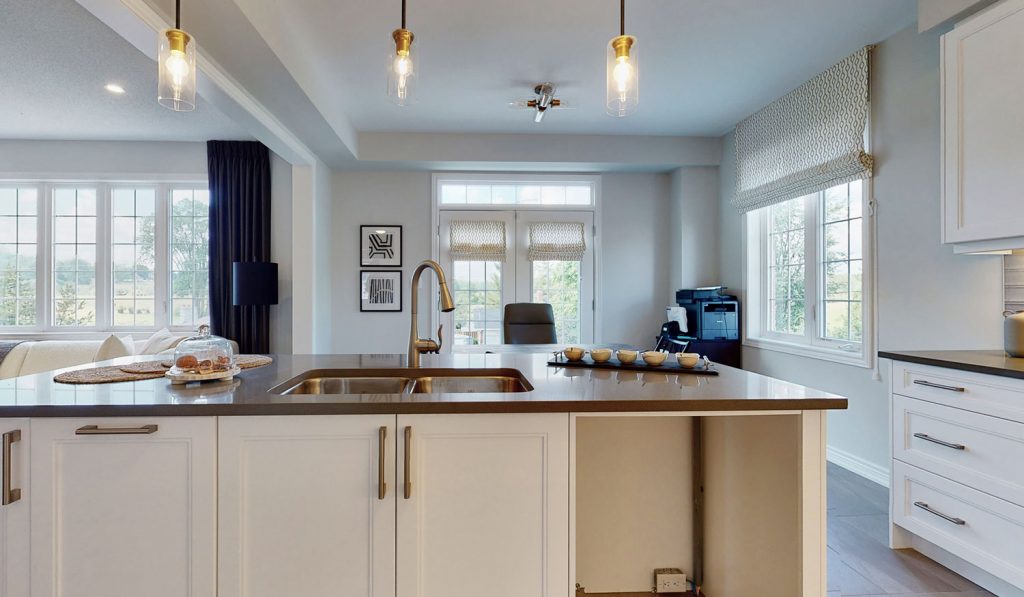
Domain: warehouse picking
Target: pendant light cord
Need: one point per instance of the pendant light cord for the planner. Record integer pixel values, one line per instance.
(177, 14)
(403, 13)
(622, 16)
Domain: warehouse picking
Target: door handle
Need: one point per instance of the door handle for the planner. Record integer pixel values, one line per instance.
(931, 439)
(407, 481)
(930, 510)
(97, 430)
(938, 386)
(382, 486)
(10, 494)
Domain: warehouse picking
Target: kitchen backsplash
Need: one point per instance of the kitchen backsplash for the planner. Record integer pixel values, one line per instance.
(1013, 281)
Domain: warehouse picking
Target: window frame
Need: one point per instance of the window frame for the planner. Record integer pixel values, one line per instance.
(45, 188)
(812, 343)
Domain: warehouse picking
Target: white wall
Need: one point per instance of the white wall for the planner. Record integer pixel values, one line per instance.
(928, 298)
(633, 285)
(281, 253)
(103, 160)
(694, 200)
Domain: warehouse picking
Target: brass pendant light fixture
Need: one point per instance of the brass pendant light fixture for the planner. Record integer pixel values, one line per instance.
(401, 69)
(176, 85)
(623, 89)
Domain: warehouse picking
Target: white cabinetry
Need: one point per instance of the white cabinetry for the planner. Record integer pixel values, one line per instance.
(123, 507)
(14, 511)
(983, 124)
(484, 505)
(307, 506)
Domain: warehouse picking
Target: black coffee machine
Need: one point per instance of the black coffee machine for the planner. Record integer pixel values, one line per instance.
(713, 325)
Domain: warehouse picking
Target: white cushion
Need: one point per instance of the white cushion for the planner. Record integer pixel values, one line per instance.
(57, 354)
(115, 347)
(160, 341)
(11, 366)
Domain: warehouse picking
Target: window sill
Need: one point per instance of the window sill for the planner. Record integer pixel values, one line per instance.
(814, 352)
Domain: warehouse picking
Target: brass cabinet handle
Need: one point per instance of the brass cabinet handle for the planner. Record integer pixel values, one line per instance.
(97, 430)
(938, 386)
(930, 510)
(931, 439)
(408, 462)
(382, 486)
(10, 494)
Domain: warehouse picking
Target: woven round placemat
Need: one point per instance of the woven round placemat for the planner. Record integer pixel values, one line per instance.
(98, 375)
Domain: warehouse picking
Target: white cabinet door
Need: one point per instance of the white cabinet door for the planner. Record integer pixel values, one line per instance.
(14, 511)
(484, 505)
(123, 507)
(983, 126)
(307, 506)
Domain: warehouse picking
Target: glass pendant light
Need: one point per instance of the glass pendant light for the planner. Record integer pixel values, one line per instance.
(623, 92)
(176, 86)
(401, 69)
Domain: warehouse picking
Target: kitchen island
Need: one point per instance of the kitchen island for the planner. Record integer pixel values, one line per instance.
(583, 484)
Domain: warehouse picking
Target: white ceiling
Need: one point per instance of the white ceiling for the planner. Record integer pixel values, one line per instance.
(56, 58)
(704, 64)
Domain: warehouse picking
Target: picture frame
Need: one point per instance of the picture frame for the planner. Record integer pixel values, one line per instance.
(380, 291)
(380, 245)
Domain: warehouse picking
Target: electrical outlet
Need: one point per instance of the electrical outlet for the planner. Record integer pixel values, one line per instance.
(669, 580)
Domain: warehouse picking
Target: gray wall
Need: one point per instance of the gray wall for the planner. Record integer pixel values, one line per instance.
(99, 160)
(281, 253)
(928, 298)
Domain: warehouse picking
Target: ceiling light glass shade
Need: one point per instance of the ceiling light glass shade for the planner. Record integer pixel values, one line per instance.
(176, 87)
(401, 67)
(623, 93)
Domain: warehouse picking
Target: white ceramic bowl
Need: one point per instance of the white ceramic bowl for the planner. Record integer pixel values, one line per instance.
(574, 353)
(688, 359)
(626, 356)
(601, 355)
(654, 357)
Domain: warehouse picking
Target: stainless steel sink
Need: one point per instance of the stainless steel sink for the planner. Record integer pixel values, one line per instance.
(405, 381)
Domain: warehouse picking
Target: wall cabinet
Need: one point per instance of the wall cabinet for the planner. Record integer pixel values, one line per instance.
(14, 511)
(307, 506)
(982, 84)
(123, 507)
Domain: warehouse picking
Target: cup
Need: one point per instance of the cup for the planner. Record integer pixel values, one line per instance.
(688, 359)
(654, 358)
(601, 355)
(574, 353)
(626, 357)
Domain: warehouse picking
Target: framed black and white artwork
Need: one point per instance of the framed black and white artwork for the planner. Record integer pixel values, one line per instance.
(380, 246)
(380, 290)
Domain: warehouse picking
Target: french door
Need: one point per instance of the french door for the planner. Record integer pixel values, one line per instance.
(482, 286)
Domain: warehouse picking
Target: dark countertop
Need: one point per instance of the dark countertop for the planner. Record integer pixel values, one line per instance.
(992, 362)
(555, 390)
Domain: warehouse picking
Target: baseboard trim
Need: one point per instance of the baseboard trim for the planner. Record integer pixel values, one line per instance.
(857, 465)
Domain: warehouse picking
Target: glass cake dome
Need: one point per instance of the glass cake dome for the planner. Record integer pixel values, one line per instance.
(203, 354)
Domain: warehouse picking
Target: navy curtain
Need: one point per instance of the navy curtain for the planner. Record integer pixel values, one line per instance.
(239, 231)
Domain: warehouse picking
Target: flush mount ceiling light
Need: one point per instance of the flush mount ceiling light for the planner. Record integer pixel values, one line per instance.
(114, 88)
(401, 71)
(623, 84)
(176, 86)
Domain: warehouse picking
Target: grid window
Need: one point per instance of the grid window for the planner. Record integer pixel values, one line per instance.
(842, 262)
(74, 257)
(19, 214)
(558, 283)
(190, 258)
(457, 193)
(133, 257)
(476, 288)
(786, 276)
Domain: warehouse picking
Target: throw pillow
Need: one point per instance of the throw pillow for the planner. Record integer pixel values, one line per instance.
(115, 347)
(160, 341)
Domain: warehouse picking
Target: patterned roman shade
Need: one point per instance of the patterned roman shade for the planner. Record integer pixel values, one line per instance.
(478, 241)
(557, 241)
(807, 141)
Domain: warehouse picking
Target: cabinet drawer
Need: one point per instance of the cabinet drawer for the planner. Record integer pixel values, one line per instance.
(982, 529)
(986, 394)
(977, 450)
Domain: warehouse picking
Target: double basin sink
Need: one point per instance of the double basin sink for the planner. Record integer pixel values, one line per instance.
(405, 381)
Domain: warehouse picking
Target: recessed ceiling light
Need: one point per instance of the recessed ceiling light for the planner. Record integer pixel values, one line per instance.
(114, 88)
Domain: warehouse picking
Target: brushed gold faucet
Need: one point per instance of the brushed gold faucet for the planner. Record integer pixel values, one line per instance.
(417, 345)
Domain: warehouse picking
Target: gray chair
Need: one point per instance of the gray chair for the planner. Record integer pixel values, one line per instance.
(529, 323)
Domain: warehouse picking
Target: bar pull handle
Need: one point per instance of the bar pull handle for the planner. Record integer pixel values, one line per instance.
(930, 510)
(10, 494)
(931, 439)
(938, 386)
(382, 486)
(97, 430)
(407, 481)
